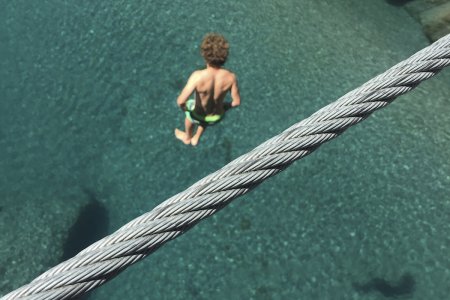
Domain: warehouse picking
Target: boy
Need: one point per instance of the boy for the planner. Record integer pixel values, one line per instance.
(210, 86)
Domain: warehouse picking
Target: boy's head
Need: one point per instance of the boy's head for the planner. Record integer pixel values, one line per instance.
(214, 49)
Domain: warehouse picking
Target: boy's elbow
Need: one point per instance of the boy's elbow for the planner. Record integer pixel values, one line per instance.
(181, 104)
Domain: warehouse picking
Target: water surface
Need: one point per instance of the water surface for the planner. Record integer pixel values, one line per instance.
(87, 112)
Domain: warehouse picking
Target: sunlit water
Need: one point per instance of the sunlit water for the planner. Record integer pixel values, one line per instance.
(87, 112)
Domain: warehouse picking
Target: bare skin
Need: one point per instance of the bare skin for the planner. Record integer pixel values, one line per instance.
(210, 85)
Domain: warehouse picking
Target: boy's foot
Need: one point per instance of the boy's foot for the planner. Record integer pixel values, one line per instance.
(182, 136)
(194, 140)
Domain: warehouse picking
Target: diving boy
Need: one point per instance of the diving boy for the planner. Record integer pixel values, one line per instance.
(210, 86)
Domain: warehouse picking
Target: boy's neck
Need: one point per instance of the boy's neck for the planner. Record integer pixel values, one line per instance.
(208, 66)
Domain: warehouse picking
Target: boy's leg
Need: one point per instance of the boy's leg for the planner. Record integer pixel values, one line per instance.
(185, 136)
(198, 134)
(188, 127)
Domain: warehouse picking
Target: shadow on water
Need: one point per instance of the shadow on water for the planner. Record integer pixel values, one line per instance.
(91, 225)
(405, 286)
(398, 2)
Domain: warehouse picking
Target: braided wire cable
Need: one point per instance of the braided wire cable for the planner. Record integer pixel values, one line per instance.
(107, 257)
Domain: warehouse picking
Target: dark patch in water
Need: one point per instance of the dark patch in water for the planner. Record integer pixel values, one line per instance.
(405, 286)
(245, 224)
(398, 2)
(228, 147)
(124, 111)
(91, 225)
(264, 292)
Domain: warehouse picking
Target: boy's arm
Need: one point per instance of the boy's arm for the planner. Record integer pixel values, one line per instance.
(187, 91)
(235, 93)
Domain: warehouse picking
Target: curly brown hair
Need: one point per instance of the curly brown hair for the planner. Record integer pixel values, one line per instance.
(214, 49)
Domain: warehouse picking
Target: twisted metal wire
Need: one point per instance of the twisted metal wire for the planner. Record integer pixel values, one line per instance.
(134, 241)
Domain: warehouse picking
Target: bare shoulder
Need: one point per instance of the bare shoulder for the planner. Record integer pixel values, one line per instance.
(196, 74)
(195, 77)
(229, 75)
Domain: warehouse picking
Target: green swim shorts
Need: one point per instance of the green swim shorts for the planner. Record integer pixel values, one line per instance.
(198, 119)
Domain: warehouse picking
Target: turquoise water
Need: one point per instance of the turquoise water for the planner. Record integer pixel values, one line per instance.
(87, 112)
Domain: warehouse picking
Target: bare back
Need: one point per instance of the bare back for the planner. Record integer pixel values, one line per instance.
(211, 87)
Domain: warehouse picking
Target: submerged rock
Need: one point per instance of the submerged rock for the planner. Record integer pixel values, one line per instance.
(436, 21)
(398, 2)
(434, 15)
(405, 286)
